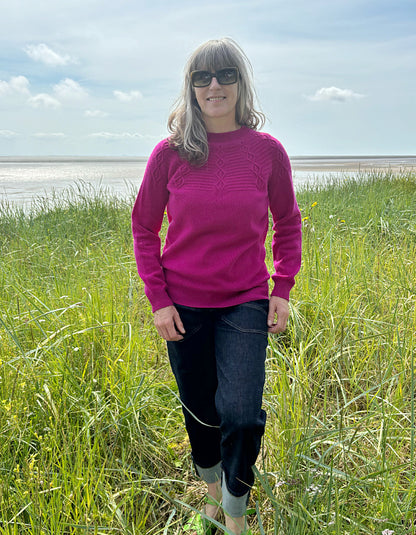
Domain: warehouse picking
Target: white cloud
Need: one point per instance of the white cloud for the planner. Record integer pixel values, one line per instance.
(16, 84)
(8, 134)
(127, 97)
(69, 89)
(43, 100)
(335, 93)
(115, 136)
(46, 55)
(50, 135)
(310, 48)
(95, 113)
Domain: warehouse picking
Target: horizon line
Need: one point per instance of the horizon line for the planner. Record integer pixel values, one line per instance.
(134, 158)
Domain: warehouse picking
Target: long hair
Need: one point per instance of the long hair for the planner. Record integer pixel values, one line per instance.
(189, 135)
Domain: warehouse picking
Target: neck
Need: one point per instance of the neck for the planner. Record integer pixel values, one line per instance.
(219, 126)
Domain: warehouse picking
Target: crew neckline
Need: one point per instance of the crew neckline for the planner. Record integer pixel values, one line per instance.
(223, 137)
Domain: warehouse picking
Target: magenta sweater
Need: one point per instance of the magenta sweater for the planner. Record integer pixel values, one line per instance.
(214, 254)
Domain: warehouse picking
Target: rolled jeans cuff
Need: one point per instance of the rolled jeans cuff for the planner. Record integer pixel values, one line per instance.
(209, 475)
(234, 506)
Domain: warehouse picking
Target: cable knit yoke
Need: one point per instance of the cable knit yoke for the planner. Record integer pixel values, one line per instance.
(218, 216)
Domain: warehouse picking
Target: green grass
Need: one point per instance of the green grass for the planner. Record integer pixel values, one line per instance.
(91, 432)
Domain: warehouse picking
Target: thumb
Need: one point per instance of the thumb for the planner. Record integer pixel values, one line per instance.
(271, 316)
(178, 322)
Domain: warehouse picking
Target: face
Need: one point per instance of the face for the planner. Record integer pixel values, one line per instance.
(217, 103)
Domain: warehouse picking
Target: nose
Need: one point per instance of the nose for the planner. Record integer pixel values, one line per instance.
(214, 83)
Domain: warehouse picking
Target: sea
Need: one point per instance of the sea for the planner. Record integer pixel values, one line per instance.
(27, 180)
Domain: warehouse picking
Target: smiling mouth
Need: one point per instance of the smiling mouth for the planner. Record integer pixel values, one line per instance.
(215, 99)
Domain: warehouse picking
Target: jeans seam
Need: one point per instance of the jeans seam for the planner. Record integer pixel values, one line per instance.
(254, 306)
(241, 330)
(189, 335)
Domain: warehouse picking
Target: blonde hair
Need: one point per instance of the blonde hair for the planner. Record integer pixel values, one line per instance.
(189, 135)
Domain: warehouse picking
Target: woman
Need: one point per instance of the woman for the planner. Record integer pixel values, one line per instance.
(217, 176)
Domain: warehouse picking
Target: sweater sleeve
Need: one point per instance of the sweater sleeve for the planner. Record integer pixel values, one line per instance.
(287, 224)
(147, 218)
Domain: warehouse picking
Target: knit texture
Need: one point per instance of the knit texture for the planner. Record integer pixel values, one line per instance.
(214, 254)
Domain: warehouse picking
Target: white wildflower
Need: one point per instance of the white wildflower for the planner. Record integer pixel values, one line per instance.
(313, 489)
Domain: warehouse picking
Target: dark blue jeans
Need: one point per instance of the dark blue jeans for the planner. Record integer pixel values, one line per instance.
(219, 367)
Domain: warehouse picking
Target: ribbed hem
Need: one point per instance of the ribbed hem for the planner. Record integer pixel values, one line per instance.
(209, 475)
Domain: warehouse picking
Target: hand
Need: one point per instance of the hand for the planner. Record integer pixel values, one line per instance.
(169, 324)
(277, 307)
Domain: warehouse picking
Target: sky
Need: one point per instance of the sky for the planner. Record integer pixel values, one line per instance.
(100, 77)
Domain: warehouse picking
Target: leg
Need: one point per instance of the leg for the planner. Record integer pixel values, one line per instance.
(214, 495)
(240, 344)
(193, 364)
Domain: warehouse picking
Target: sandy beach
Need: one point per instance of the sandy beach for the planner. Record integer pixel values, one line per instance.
(354, 164)
(22, 179)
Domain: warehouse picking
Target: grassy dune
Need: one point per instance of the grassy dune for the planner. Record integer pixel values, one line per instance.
(91, 431)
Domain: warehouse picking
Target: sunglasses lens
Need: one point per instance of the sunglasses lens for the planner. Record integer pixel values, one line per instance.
(227, 76)
(201, 78)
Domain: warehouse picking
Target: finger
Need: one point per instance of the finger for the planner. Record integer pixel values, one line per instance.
(162, 328)
(170, 337)
(276, 329)
(280, 324)
(271, 316)
(178, 323)
(169, 332)
(172, 334)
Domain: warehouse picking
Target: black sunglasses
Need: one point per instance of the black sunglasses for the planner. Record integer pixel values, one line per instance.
(226, 76)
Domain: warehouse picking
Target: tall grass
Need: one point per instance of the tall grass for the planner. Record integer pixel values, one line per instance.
(92, 439)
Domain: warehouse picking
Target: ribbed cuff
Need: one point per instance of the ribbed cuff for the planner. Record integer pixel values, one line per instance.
(282, 288)
(234, 506)
(209, 475)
